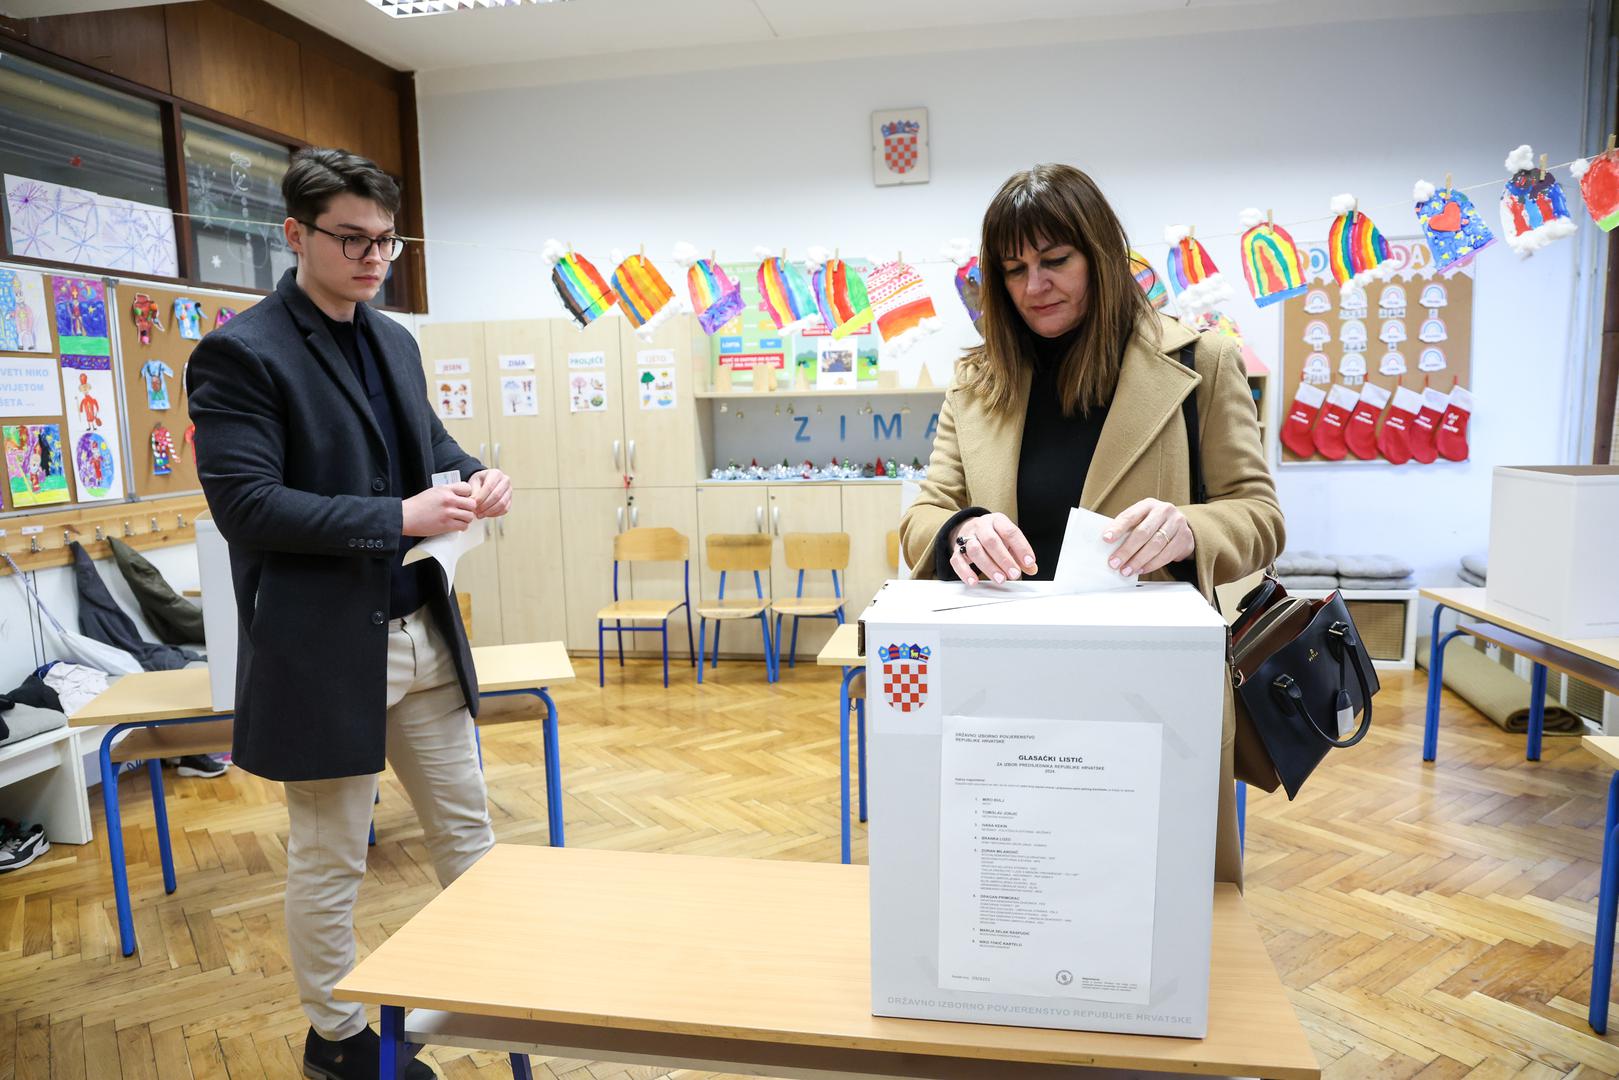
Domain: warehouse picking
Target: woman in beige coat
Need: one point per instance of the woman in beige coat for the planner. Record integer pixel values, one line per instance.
(1075, 398)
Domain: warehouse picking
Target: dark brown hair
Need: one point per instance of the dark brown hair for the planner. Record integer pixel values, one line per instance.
(1056, 204)
(316, 174)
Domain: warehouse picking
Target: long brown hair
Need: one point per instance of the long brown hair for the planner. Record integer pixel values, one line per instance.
(1055, 204)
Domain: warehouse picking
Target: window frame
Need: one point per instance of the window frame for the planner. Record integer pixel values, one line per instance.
(411, 267)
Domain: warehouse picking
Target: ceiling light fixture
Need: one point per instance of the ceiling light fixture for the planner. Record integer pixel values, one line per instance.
(411, 9)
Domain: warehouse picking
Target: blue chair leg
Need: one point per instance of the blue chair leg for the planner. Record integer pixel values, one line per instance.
(1537, 711)
(702, 645)
(860, 750)
(371, 841)
(115, 844)
(770, 656)
(1607, 906)
(521, 1069)
(160, 817)
(601, 653)
(843, 763)
(665, 635)
(792, 653)
(553, 770)
(477, 744)
(719, 624)
(778, 644)
(1242, 816)
(620, 631)
(691, 643)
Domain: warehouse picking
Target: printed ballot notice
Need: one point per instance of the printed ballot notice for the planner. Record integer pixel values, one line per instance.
(1048, 838)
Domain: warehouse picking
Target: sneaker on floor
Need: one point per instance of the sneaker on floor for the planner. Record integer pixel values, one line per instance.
(201, 765)
(22, 845)
(353, 1058)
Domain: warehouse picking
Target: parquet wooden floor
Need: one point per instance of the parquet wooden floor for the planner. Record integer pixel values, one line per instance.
(1429, 922)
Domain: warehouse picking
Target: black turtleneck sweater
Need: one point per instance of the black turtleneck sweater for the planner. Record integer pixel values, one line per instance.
(1052, 463)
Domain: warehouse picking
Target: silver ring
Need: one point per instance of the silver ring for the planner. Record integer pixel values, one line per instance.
(1163, 534)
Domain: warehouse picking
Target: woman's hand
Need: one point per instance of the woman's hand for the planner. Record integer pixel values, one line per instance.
(1151, 534)
(990, 546)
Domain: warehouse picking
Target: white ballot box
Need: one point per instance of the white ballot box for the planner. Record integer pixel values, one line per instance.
(1043, 790)
(219, 627)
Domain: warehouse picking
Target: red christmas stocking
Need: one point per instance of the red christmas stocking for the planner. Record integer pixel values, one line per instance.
(1361, 434)
(1451, 438)
(1328, 434)
(1301, 418)
(1394, 438)
(1426, 425)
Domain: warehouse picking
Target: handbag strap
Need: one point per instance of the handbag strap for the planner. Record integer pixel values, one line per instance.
(1290, 694)
(1194, 444)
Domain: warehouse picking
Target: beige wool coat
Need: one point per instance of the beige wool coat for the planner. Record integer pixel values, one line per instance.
(1142, 454)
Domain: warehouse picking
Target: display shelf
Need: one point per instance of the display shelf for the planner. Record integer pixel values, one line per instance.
(801, 482)
(788, 392)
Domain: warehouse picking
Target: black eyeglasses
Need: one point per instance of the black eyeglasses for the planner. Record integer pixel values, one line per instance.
(358, 247)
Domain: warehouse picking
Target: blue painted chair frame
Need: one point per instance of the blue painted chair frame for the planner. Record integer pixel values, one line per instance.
(160, 812)
(772, 672)
(649, 544)
(804, 552)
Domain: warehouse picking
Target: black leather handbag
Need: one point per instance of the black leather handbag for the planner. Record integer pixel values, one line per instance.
(1299, 670)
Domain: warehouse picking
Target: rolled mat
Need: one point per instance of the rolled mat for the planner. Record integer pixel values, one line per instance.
(1496, 692)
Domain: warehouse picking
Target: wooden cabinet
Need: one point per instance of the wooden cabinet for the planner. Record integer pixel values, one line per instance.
(590, 443)
(532, 576)
(593, 517)
(234, 65)
(742, 508)
(343, 107)
(870, 512)
(457, 382)
(477, 575)
(804, 508)
(524, 446)
(131, 44)
(672, 508)
(660, 438)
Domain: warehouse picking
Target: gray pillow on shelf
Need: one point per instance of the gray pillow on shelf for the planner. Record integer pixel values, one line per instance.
(26, 721)
(1309, 581)
(1477, 563)
(1468, 578)
(1367, 584)
(1381, 567)
(1310, 563)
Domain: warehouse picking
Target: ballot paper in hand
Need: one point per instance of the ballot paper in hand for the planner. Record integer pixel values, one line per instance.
(1082, 566)
(446, 549)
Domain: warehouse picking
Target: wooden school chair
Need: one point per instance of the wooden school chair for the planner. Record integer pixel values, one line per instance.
(743, 553)
(645, 545)
(806, 552)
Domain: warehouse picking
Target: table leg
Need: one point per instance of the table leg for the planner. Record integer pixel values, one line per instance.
(115, 842)
(160, 817)
(553, 769)
(392, 1058)
(521, 1069)
(1436, 685)
(1607, 905)
(860, 750)
(1242, 817)
(843, 760)
(1537, 711)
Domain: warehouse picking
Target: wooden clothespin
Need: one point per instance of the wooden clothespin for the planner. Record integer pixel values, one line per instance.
(783, 254)
(643, 251)
(1191, 232)
(1447, 184)
(1270, 219)
(1543, 166)
(712, 257)
(1611, 140)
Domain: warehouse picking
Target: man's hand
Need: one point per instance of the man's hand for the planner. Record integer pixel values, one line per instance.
(438, 510)
(492, 491)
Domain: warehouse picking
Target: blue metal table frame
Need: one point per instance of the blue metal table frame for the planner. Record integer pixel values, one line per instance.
(1436, 685)
(115, 834)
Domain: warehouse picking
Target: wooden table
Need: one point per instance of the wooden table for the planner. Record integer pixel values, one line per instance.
(746, 966)
(1595, 660)
(1605, 748)
(842, 649)
(171, 714)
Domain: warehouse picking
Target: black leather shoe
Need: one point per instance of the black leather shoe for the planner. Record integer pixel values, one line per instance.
(353, 1058)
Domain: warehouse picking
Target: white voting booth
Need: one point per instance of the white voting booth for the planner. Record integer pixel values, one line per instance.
(1044, 783)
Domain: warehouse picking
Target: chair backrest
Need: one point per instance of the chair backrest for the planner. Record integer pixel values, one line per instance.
(738, 551)
(817, 551)
(893, 550)
(651, 544)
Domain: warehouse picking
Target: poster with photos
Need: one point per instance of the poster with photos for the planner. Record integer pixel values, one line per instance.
(1413, 330)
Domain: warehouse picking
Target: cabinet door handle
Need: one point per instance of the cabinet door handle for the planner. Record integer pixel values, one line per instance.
(635, 517)
(617, 446)
(620, 513)
(775, 519)
(483, 448)
(632, 455)
(500, 527)
(497, 455)
(758, 519)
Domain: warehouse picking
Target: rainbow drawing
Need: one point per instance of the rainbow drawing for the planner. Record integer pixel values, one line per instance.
(905, 313)
(643, 295)
(840, 296)
(786, 295)
(1149, 281)
(579, 284)
(714, 296)
(970, 287)
(1199, 286)
(1270, 261)
(1356, 250)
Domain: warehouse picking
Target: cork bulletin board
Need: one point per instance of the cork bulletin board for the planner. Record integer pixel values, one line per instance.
(153, 379)
(36, 471)
(1415, 330)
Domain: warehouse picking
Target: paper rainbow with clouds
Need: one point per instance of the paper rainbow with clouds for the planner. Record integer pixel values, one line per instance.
(580, 286)
(1355, 247)
(1271, 263)
(840, 296)
(643, 295)
(1149, 281)
(714, 296)
(786, 295)
(1189, 264)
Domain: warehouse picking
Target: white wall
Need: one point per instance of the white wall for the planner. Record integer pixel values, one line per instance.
(1190, 129)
